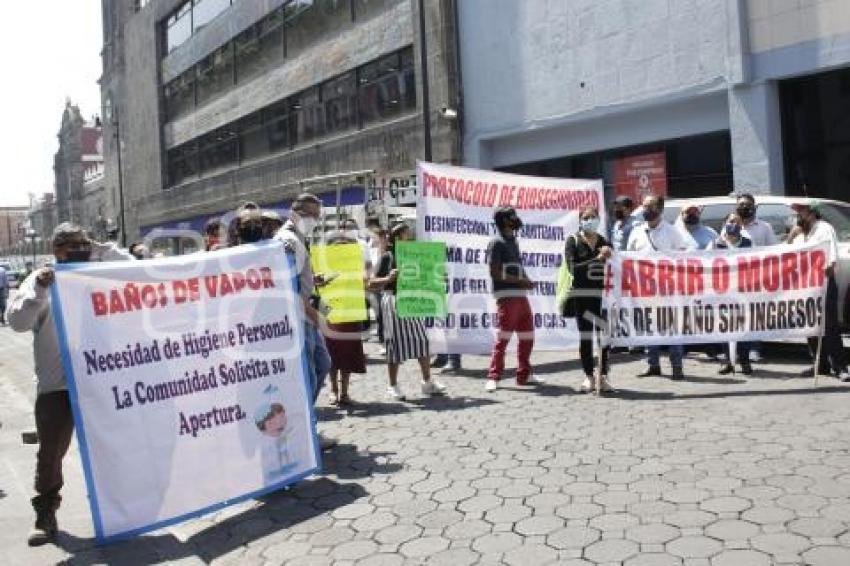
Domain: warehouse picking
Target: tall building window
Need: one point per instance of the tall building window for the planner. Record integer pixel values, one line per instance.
(365, 9)
(260, 47)
(378, 91)
(339, 96)
(279, 125)
(205, 11)
(218, 149)
(178, 26)
(180, 95)
(253, 140)
(215, 74)
(387, 87)
(308, 20)
(183, 163)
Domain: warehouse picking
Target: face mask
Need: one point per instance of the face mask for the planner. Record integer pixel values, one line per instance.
(251, 233)
(650, 214)
(589, 224)
(732, 229)
(746, 212)
(620, 214)
(76, 256)
(692, 219)
(306, 225)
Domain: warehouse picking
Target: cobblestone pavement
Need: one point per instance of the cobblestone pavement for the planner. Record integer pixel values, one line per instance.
(711, 471)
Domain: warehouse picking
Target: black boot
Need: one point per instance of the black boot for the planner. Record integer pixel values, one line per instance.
(726, 369)
(45, 528)
(651, 371)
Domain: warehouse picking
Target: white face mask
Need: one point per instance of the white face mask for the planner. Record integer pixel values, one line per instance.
(589, 224)
(306, 224)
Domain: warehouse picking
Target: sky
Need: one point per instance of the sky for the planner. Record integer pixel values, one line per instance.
(49, 50)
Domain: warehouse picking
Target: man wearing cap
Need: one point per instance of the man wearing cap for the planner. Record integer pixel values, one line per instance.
(811, 229)
(29, 311)
(690, 223)
(658, 235)
(624, 221)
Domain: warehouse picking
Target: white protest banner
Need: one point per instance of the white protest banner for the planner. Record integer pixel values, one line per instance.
(455, 205)
(728, 295)
(188, 383)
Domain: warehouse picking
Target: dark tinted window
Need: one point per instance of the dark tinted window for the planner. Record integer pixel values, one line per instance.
(218, 149)
(340, 99)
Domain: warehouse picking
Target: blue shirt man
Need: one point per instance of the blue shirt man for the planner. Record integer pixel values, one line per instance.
(690, 223)
(623, 222)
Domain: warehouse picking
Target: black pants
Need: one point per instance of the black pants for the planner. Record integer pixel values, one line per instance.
(590, 309)
(55, 425)
(3, 295)
(376, 304)
(832, 351)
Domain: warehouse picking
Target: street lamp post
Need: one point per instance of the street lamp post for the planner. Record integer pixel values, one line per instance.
(110, 113)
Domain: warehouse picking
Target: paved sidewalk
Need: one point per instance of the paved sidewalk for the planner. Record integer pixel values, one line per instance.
(712, 471)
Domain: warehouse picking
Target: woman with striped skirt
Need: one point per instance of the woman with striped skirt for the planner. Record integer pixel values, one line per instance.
(404, 338)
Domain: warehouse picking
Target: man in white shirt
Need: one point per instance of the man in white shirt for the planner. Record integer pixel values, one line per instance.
(655, 234)
(760, 233)
(812, 229)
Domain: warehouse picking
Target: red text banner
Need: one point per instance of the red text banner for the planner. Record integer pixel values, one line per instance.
(717, 296)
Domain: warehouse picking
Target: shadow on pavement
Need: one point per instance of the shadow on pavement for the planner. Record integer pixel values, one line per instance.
(272, 513)
(635, 395)
(436, 403)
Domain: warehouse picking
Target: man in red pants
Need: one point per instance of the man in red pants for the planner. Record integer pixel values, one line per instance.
(510, 286)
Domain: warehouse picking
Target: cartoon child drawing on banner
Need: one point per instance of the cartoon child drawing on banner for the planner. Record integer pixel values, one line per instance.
(280, 438)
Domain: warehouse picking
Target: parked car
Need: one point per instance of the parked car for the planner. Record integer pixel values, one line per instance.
(777, 211)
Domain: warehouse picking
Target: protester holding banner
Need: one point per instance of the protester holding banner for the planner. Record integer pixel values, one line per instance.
(404, 338)
(510, 287)
(272, 222)
(586, 253)
(690, 222)
(343, 339)
(812, 229)
(306, 211)
(624, 222)
(28, 311)
(656, 234)
(731, 237)
(761, 234)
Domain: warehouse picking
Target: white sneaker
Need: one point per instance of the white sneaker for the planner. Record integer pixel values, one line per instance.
(755, 356)
(844, 376)
(432, 387)
(492, 385)
(536, 380)
(393, 392)
(605, 386)
(586, 385)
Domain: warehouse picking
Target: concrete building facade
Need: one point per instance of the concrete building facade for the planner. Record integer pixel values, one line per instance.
(693, 97)
(218, 101)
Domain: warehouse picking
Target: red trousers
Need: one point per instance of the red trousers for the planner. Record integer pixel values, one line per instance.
(514, 317)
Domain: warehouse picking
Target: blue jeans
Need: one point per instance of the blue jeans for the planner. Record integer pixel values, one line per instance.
(676, 353)
(318, 359)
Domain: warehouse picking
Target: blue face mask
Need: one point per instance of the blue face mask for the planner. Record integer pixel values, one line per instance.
(589, 224)
(732, 229)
